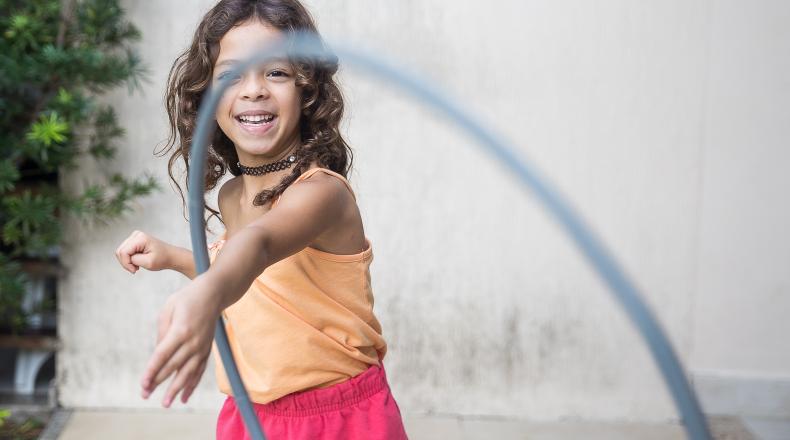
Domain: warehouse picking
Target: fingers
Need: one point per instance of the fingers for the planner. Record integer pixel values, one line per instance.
(128, 248)
(190, 366)
(171, 352)
(176, 363)
(121, 256)
(141, 260)
(192, 384)
(184, 375)
(184, 342)
(162, 354)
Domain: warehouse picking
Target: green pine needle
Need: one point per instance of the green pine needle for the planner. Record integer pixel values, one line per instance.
(48, 130)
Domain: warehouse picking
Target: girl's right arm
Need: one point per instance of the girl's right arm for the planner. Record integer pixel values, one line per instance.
(142, 250)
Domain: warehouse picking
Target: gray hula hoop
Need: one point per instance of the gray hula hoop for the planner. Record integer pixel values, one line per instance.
(624, 291)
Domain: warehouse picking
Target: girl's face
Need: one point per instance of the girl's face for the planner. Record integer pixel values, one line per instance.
(260, 111)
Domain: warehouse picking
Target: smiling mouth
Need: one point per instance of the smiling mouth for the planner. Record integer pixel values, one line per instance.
(256, 120)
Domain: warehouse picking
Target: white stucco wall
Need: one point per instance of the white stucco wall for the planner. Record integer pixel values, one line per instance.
(664, 126)
(741, 345)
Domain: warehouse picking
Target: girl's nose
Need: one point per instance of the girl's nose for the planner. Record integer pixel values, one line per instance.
(254, 88)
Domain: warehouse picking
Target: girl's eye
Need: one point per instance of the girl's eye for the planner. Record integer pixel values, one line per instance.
(229, 76)
(236, 77)
(278, 73)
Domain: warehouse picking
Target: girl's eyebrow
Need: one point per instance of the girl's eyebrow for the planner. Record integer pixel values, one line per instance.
(232, 61)
(229, 62)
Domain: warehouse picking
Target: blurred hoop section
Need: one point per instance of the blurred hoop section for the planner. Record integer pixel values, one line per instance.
(624, 291)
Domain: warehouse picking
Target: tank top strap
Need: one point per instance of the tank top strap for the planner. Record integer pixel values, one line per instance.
(306, 175)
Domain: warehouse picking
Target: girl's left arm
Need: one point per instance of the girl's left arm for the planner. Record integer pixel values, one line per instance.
(186, 322)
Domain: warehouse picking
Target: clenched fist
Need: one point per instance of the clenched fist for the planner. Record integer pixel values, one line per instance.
(143, 250)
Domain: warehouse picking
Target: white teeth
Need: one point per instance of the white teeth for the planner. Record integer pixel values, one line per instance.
(256, 118)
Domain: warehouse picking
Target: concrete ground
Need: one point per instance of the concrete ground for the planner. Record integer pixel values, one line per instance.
(86, 425)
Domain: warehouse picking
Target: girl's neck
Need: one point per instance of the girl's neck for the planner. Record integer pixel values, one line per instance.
(252, 185)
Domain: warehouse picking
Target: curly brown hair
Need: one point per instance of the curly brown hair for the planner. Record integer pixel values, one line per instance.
(322, 101)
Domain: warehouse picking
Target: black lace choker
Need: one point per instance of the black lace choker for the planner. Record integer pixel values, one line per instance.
(269, 167)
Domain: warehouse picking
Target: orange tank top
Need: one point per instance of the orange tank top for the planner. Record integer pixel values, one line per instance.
(305, 322)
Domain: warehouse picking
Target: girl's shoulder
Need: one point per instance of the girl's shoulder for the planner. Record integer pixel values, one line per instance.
(344, 234)
(314, 186)
(319, 200)
(231, 186)
(318, 185)
(325, 176)
(229, 191)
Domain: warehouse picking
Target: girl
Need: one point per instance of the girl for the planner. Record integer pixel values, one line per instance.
(290, 275)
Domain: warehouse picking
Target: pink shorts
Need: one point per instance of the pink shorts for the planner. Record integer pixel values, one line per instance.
(359, 408)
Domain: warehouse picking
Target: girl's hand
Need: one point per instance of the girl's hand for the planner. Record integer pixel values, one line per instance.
(186, 330)
(142, 250)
